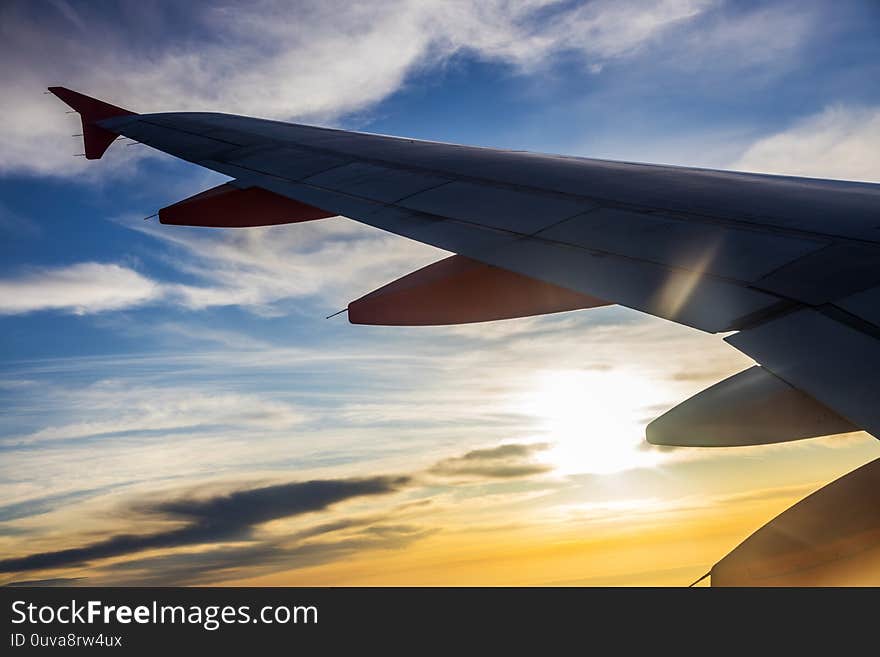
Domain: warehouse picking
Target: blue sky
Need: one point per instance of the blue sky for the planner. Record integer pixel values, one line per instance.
(143, 363)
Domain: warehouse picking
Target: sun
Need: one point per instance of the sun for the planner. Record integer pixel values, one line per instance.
(594, 419)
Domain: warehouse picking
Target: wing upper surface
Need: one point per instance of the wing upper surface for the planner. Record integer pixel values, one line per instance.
(705, 248)
(715, 250)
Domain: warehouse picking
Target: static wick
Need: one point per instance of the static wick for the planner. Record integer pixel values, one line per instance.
(693, 584)
(151, 216)
(79, 154)
(337, 313)
(79, 134)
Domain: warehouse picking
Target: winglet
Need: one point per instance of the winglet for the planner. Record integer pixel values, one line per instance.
(92, 110)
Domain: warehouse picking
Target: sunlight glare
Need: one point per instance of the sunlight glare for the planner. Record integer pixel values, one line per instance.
(595, 420)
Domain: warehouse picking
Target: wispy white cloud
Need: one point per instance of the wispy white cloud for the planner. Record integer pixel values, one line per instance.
(115, 407)
(839, 142)
(202, 334)
(766, 35)
(335, 260)
(404, 396)
(315, 62)
(528, 34)
(82, 288)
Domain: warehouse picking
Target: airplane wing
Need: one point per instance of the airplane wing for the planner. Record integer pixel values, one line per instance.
(790, 265)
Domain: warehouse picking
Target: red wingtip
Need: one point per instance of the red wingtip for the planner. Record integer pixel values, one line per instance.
(92, 110)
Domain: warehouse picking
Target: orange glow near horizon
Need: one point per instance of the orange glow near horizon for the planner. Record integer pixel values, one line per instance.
(534, 473)
(673, 548)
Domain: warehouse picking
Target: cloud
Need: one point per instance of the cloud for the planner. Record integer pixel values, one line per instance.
(839, 142)
(224, 532)
(204, 517)
(335, 259)
(527, 34)
(313, 61)
(506, 461)
(53, 582)
(318, 403)
(208, 334)
(113, 408)
(760, 37)
(232, 516)
(83, 288)
(45, 503)
(222, 563)
(256, 269)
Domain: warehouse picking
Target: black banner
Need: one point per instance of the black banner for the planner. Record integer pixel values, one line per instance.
(135, 620)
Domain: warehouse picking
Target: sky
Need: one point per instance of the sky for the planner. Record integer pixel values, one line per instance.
(176, 409)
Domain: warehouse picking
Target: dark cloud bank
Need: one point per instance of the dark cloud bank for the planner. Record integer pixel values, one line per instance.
(228, 517)
(234, 516)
